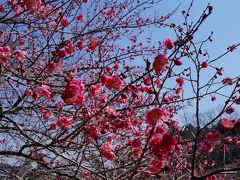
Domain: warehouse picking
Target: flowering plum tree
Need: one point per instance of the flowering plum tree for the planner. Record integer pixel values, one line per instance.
(85, 94)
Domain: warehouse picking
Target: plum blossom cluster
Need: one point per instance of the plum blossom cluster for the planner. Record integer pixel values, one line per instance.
(211, 139)
(160, 63)
(157, 115)
(112, 82)
(74, 92)
(107, 151)
(5, 54)
(169, 44)
(32, 4)
(64, 123)
(162, 144)
(228, 124)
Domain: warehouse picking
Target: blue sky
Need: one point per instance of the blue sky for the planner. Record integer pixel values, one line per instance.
(224, 22)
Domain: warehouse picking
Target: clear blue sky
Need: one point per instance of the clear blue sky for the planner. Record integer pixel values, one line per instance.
(224, 22)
